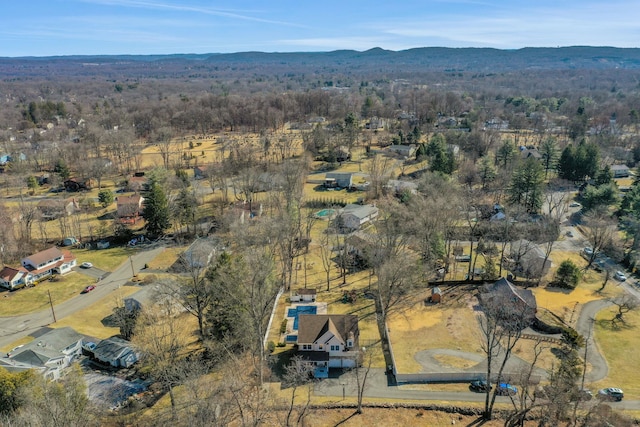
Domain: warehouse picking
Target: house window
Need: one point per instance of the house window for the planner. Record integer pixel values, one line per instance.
(306, 346)
(320, 347)
(335, 348)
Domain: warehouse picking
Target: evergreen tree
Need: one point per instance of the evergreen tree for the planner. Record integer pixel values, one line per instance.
(527, 185)
(549, 151)
(105, 197)
(156, 210)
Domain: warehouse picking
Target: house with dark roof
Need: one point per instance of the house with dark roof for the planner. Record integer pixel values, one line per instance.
(116, 352)
(509, 303)
(328, 341)
(129, 208)
(13, 278)
(48, 354)
(48, 262)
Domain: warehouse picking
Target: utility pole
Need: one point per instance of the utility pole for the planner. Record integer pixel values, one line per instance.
(51, 304)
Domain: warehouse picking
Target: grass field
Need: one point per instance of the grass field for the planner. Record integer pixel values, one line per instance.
(29, 300)
(618, 346)
(90, 320)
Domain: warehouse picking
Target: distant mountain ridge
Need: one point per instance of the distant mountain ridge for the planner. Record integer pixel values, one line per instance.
(432, 59)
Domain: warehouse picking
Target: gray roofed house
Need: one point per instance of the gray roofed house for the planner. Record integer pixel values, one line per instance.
(48, 354)
(338, 180)
(404, 150)
(354, 216)
(531, 261)
(116, 352)
(620, 171)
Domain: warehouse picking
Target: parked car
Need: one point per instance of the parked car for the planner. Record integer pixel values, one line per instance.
(588, 251)
(86, 265)
(569, 233)
(480, 386)
(620, 276)
(575, 205)
(611, 394)
(88, 289)
(505, 389)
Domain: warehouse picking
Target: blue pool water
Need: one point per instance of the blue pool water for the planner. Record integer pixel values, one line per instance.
(325, 212)
(301, 309)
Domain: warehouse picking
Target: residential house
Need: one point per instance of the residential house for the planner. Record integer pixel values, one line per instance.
(116, 352)
(355, 216)
(404, 150)
(496, 124)
(78, 184)
(399, 187)
(328, 341)
(530, 152)
(129, 208)
(198, 255)
(509, 303)
(200, 172)
(48, 354)
(530, 260)
(138, 182)
(56, 208)
(13, 278)
(48, 262)
(338, 180)
(620, 171)
(342, 154)
(375, 123)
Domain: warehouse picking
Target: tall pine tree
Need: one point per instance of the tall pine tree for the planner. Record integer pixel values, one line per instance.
(156, 210)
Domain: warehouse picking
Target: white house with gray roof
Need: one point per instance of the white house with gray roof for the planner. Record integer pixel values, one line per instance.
(355, 216)
(48, 354)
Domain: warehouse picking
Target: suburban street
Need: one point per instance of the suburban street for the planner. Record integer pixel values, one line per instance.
(16, 327)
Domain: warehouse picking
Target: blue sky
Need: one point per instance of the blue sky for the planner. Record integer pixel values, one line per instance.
(68, 27)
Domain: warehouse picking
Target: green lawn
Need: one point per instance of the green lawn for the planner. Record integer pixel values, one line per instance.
(104, 259)
(29, 300)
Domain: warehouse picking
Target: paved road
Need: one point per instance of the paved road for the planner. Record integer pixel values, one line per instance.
(16, 327)
(377, 387)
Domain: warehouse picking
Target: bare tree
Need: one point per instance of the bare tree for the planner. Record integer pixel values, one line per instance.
(298, 374)
(501, 326)
(600, 229)
(624, 304)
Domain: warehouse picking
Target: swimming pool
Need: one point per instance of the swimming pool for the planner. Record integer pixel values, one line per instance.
(325, 213)
(301, 309)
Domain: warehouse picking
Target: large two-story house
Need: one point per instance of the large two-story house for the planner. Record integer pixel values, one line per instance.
(48, 354)
(328, 341)
(45, 263)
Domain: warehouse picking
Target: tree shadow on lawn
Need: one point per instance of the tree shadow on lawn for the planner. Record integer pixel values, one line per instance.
(110, 321)
(614, 326)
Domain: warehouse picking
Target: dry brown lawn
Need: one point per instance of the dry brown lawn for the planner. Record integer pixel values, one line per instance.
(426, 327)
(89, 320)
(618, 345)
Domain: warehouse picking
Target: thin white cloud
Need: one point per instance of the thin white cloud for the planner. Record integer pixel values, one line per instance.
(226, 13)
(595, 24)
